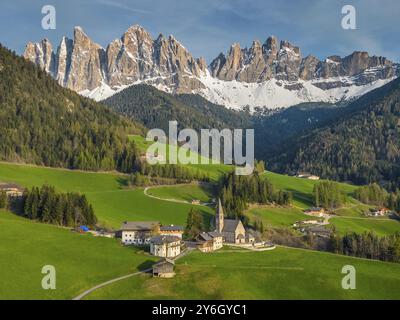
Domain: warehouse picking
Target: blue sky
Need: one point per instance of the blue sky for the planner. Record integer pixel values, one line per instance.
(208, 27)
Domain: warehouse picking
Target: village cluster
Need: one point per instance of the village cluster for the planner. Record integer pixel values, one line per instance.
(166, 241)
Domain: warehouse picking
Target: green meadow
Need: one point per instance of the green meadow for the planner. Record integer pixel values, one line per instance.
(214, 170)
(202, 192)
(302, 189)
(283, 273)
(277, 216)
(81, 261)
(113, 202)
(381, 226)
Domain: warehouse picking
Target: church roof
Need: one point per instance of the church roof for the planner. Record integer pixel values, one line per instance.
(230, 225)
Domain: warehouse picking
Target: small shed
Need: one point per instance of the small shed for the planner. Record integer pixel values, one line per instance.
(164, 269)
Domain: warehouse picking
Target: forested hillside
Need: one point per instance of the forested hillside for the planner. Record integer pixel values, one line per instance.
(271, 130)
(45, 124)
(154, 109)
(362, 146)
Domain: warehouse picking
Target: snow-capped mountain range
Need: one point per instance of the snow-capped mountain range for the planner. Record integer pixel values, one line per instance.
(270, 75)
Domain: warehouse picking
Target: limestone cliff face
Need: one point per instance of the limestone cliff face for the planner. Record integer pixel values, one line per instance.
(81, 64)
(84, 66)
(42, 54)
(284, 61)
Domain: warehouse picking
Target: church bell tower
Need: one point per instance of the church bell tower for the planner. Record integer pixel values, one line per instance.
(219, 217)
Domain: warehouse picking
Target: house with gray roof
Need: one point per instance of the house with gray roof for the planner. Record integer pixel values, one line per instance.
(172, 230)
(209, 241)
(138, 232)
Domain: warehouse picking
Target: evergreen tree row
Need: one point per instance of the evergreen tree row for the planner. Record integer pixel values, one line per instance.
(236, 192)
(328, 195)
(367, 245)
(64, 209)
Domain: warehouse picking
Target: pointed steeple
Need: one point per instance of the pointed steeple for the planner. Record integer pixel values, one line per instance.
(219, 217)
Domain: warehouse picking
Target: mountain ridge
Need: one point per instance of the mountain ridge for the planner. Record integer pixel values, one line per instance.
(270, 75)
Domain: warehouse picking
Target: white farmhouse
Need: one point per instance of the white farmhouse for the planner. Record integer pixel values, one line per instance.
(138, 233)
(165, 246)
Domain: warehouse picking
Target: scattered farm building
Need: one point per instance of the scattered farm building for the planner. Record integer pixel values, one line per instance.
(315, 211)
(164, 269)
(11, 189)
(307, 175)
(380, 212)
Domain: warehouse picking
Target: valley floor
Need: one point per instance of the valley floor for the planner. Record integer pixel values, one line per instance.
(83, 261)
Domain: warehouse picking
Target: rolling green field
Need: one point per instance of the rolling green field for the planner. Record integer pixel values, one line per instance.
(213, 170)
(81, 261)
(112, 201)
(282, 273)
(188, 193)
(302, 188)
(381, 226)
(277, 216)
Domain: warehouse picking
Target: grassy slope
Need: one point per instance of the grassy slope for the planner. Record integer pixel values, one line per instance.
(380, 226)
(285, 217)
(279, 274)
(276, 216)
(105, 191)
(184, 192)
(214, 170)
(81, 261)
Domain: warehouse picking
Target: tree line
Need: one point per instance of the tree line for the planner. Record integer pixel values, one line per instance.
(237, 192)
(328, 194)
(64, 209)
(367, 245)
(376, 195)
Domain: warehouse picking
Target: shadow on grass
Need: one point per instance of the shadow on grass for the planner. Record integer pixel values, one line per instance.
(146, 265)
(306, 198)
(123, 182)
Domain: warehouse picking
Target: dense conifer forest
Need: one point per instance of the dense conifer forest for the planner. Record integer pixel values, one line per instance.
(154, 109)
(362, 146)
(237, 192)
(64, 209)
(44, 124)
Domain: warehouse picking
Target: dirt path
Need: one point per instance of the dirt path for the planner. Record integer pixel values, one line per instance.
(87, 292)
(107, 283)
(146, 193)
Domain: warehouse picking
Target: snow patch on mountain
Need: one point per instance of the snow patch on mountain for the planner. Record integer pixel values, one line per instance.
(274, 93)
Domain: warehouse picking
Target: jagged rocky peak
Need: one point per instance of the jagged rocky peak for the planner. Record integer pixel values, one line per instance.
(63, 60)
(284, 62)
(42, 54)
(83, 65)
